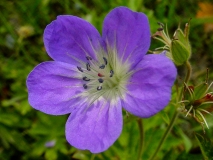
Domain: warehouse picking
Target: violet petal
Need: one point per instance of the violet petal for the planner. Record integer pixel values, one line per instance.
(95, 128)
(149, 88)
(129, 32)
(70, 37)
(53, 87)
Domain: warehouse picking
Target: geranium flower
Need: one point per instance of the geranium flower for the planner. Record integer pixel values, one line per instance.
(94, 77)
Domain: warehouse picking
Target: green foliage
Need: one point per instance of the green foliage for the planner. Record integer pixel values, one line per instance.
(25, 132)
(206, 146)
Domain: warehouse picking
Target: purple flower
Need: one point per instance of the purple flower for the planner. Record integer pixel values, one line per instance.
(93, 77)
(50, 144)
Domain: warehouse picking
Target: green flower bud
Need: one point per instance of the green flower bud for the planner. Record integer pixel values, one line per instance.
(178, 48)
(180, 53)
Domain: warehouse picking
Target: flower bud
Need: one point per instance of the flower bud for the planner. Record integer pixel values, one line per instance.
(180, 53)
(197, 101)
(178, 48)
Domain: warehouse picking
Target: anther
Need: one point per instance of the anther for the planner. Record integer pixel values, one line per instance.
(100, 80)
(85, 86)
(86, 79)
(102, 66)
(160, 29)
(99, 88)
(111, 73)
(88, 66)
(88, 58)
(105, 60)
(80, 69)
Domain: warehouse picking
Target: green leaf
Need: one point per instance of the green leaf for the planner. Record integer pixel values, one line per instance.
(187, 156)
(53, 126)
(187, 142)
(206, 146)
(50, 154)
(5, 137)
(38, 147)
(164, 116)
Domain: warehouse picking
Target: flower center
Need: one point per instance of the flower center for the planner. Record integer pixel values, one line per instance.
(105, 77)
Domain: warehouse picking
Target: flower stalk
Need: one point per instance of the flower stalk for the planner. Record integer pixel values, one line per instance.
(141, 142)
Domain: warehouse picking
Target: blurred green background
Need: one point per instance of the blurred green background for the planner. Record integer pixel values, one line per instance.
(29, 134)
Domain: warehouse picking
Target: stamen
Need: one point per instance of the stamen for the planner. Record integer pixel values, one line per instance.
(86, 79)
(88, 58)
(105, 60)
(111, 73)
(85, 86)
(88, 66)
(100, 80)
(99, 88)
(160, 29)
(102, 66)
(80, 69)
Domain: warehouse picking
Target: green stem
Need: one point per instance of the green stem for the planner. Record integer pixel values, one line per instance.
(165, 134)
(141, 143)
(186, 80)
(189, 72)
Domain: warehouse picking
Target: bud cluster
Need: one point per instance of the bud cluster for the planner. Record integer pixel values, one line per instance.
(197, 101)
(178, 47)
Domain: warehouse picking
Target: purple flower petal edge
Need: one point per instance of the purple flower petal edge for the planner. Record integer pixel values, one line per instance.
(95, 128)
(149, 88)
(70, 39)
(52, 87)
(128, 32)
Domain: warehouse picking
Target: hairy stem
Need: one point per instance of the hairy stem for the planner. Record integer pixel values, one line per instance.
(186, 80)
(141, 143)
(189, 72)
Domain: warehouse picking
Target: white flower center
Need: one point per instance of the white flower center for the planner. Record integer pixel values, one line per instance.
(105, 77)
